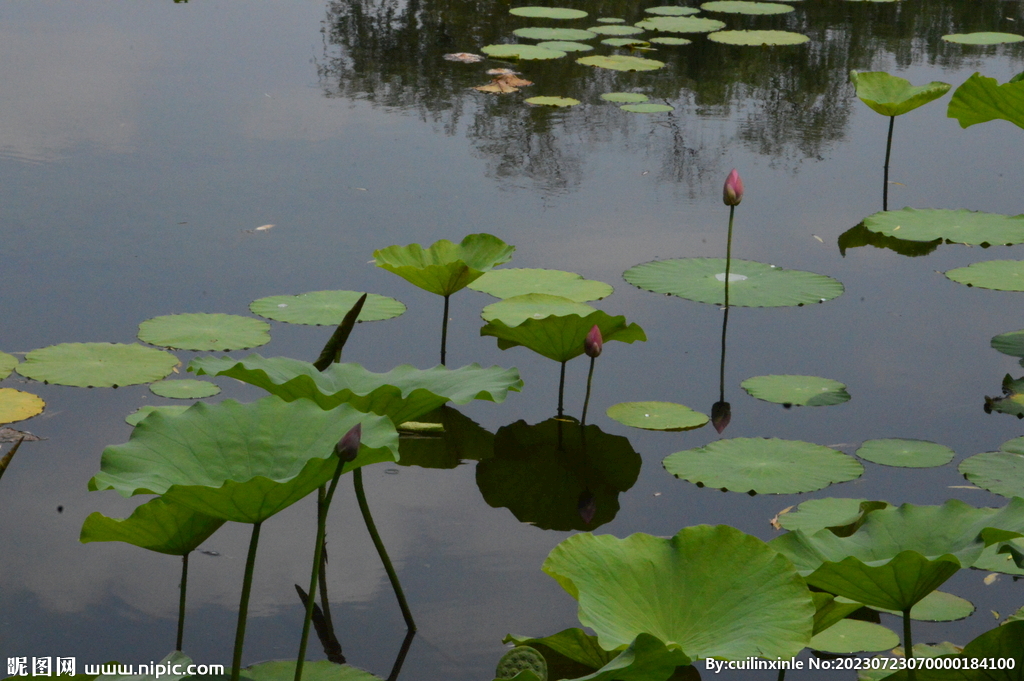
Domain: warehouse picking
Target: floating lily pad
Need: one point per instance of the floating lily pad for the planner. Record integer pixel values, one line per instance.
(158, 525)
(980, 99)
(625, 42)
(998, 275)
(517, 309)
(543, 33)
(561, 337)
(939, 606)
(510, 282)
(893, 96)
(325, 308)
(669, 40)
(854, 636)
(626, 97)
(7, 364)
(656, 416)
(142, 412)
(526, 52)
(999, 472)
(184, 389)
(956, 226)
(1012, 399)
(808, 391)
(672, 11)
(16, 405)
(647, 108)
(99, 365)
(619, 62)
(905, 453)
(445, 268)
(613, 29)
(763, 466)
(742, 7)
(565, 46)
(548, 12)
(202, 331)
(983, 38)
(553, 101)
(610, 20)
(1011, 343)
(758, 38)
(859, 235)
(752, 284)
(818, 514)
(680, 24)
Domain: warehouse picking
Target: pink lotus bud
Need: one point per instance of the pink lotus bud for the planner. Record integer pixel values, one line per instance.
(592, 344)
(733, 192)
(347, 448)
(721, 414)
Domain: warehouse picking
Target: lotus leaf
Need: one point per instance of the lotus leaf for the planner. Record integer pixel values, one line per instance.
(461, 439)
(897, 584)
(548, 12)
(325, 308)
(142, 412)
(647, 108)
(1002, 643)
(763, 466)
(751, 284)
(527, 52)
(998, 275)
(16, 405)
(830, 610)
(993, 561)
(744, 7)
(656, 416)
(711, 591)
(885, 670)
(891, 95)
(1012, 400)
(811, 391)
(633, 97)
(561, 337)
(542, 33)
(403, 394)
(669, 40)
(202, 331)
(956, 226)
(552, 101)
(240, 462)
(939, 606)
(515, 310)
(321, 670)
(983, 38)
(982, 99)
(681, 24)
(862, 236)
(644, 659)
(999, 472)
(758, 38)
(99, 365)
(905, 453)
(1011, 343)
(836, 514)
(184, 389)
(563, 46)
(610, 20)
(157, 525)
(445, 268)
(625, 42)
(618, 62)
(614, 29)
(672, 11)
(854, 636)
(7, 364)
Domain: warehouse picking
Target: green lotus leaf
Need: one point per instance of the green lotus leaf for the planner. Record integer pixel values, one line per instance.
(992, 560)
(647, 108)
(240, 462)
(758, 38)
(885, 669)
(763, 466)
(403, 394)
(527, 52)
(895, 585)
(543, 33)
(939, 606)
(811, 391)
(743, 7)
(184, 389)
(645, 658)
(672, 11)
(615, 29)
(1015, 617)
(564, 46)
(610, 20)
(751, 284)
(956, 226)
(7, 364)
(980, 99)
(891, 95)
(905, 453)
(983, 38)
(999, 644)
(669, 40)
(1011, 343)
(325, 308)
(860, 235)
(569, 653)
(445, 268)
(625, 42)
(321, 670)
(515, 310)
(680, 24)
(854, 636)
(625, 97)
(545, 473)
(999, 472)
(656, 416)
(833, 513)
(203, 331)
(158, 525)
(561, 337)
(1012, 400)
(548, 12)
(97, 365)
(711, 591)
(619, 62)
(136, 416)
(17, 405)
(461, 439)
(998, 275)
(552, 101)
(830, 610)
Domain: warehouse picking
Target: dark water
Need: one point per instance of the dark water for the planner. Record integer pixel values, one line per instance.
(138, 142)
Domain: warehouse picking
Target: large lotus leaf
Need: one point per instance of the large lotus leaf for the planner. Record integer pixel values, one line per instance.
(201, 331)
(891, 95)
(511, 282)
(184, 389)
(527, 52)
(542, 33)
(548, 12)
(561, 338)
(905, 453)
(325, 308)
(681, 24)
(620, 62)
(656, 416)
(955, 226)
(860, 235)
(461, 439)
(403, 394)
(811, 391)
(97, 365)
(7, 364)
(897, 584)
(854, 636)
(751, 284)
(672, 11)
(241, 462)
(982, 99)
(998, 275)
(758, 38)
(569, 653)
(763, 465)
(17, 405)
(445, 268)
(746, 7)
(517, 309)
(996, 647)
(837, 514)
(547, 473)
(939, 606)
(644, 659)
(983, 38)
(321, 670)
(711, 591)
(158, 525)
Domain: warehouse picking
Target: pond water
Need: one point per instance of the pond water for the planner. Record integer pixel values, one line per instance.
(140, 145)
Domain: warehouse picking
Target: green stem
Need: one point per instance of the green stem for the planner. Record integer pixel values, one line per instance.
(561, 390)
(357, 480)
(243, 606)
(728, 255)
(325, 606)
(725, 321)
(885, 181)
(782, 675)
(444, 330)
(586, 401)
(181, 601)
(908, 645)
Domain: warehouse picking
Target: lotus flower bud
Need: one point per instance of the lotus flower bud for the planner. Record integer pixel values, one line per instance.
(733, 192)
(592, 344)
(586, 506)
(721, 414)
(348, 447)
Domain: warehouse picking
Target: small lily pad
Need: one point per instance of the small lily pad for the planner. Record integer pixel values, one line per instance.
(891, 95)
(16, 405)
(184, 389)
(614, 29)
(758, 38)
(553, 101)
(648, 107)
(325, 308)
(669, 40)
(202, 331)
(543, 33)
(548, 12)
(998, 275)
(905, 453)
(806, 391)
(999, 472)
(763, 466)
(1011, 343)
(956, 226)
(626, 97)
(656, 416)
(136, 416)
(8, 362)
(672, 11)
(526, 52)
(99, 365)
(854, 636)
(817, 514)
(681, 24)
(983, 38)
(939, 606)
(510, 282)
(741, 7)
(610, 20)
(620, 62)
(625, 42)
(565, 46)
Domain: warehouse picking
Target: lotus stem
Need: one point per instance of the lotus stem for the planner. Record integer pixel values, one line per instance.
(908, 645)
(243, 606)
(181, 601)
(444, 330)
(325, 605)
(400, 659)
(586, 401)
(728, 255)
(782, 675)
(6, 461)
(885, 181)
(357, 480)
(725, 320)
(561, 390)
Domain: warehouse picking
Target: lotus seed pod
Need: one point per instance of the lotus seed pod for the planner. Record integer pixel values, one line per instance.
(522, 658)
